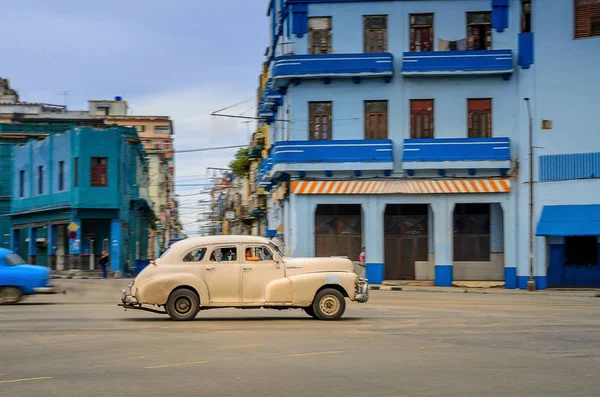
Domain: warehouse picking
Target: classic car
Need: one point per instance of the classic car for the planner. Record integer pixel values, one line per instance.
(243, 272)
(18, 279)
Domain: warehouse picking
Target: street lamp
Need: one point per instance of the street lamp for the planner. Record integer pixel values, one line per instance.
(530, 281)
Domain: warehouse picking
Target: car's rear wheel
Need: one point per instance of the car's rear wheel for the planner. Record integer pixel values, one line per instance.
(183, 305)
(329, 304)
(10, 295)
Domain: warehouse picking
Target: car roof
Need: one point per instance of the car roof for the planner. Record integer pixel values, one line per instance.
(180, 246)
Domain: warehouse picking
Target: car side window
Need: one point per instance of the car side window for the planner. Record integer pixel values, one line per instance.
(196, 255)
(258, 254)
(224, 254)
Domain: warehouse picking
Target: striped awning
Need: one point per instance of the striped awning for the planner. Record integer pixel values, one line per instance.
(402, 187)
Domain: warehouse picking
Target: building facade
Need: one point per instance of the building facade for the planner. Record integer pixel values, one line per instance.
(403, 127)
(78, 193)
(156, 134)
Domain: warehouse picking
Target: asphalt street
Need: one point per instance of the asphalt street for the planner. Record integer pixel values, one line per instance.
(398, 344)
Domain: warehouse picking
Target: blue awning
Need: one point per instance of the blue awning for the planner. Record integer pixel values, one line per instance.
(570, 220)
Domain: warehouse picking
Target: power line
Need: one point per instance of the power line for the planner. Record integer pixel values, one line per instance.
(211, 148)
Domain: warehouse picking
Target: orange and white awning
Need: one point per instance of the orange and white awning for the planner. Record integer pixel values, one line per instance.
(403, 187)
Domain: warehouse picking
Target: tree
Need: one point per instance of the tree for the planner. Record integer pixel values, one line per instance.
(240, 165)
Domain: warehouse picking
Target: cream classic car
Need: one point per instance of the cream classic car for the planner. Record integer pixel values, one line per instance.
(243, 272)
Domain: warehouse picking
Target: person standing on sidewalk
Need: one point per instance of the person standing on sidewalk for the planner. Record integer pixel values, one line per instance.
(361, 260)
(104, 259)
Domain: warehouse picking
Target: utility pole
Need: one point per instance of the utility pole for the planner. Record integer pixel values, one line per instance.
(65, 94)
(531, 281)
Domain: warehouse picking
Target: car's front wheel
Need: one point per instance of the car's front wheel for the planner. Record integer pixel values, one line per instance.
(183, 305)
(10, 295)
(329, 304)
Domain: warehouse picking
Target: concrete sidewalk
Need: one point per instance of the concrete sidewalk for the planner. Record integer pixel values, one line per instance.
(580, 292)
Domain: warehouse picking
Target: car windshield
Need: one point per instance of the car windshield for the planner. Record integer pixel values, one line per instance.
(277, 248)
(13, 260)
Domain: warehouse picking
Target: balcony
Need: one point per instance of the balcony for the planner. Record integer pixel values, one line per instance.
(327, 157)
(294, 68)
(456, 153)
(452, 63)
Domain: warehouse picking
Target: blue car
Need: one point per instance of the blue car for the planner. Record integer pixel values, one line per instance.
(18, 279)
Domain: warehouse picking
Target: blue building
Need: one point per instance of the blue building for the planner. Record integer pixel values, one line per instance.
(79, 193)
(402, 126)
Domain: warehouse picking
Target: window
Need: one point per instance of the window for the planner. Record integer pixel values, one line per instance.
(21, 183)
(320, 120)
(375, 33)
(376, 119)
(224, 254)
(102, 110)
(587, 18)
(195, 256)
(99, 172)
(140, 128)
(525, 16)
(61, 176)
(479, 31)
(162, 129)
(319, 35)
(13, 260)
(41, 179)
(258, 254)
(421, 118)
(421, 32)
(480, 118)
(76, 171)
(581, 250)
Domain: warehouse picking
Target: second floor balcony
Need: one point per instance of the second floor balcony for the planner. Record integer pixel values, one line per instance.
(326, 157)
(443, 154)
(294, 68)
(449, 63)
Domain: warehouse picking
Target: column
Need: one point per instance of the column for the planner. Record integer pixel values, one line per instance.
(373, 239)
(115, 245)
(31, 245)
(443, 212)
(52, 245)
(74, 236)
(510, 243)
(301, 230)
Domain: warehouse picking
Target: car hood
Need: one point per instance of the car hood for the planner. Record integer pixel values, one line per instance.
(33, 269)
(317, 265)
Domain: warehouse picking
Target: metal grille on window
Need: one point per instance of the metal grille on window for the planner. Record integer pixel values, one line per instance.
(320, 120)
(319, 36)
(375, 33)
(479, 31)
(421, 32)
(376, 120)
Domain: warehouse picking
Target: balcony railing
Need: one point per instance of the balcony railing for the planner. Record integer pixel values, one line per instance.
(439, 63)
(297, 67)
(456, 153)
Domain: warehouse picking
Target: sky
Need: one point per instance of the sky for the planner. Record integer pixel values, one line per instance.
(177, 58)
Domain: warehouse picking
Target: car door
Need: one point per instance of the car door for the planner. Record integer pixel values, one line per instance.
(258, 270)
(222, 275)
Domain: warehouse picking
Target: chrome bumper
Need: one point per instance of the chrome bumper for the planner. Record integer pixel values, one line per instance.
(127, 299)
(362, 290)
(48, 290)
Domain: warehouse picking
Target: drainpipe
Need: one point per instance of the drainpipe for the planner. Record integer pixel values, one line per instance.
(531, 281)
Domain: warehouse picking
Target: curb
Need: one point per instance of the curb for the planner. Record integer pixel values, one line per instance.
(586, 293)
(384, 288)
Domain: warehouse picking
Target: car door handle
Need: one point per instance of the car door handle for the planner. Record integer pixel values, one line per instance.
(247, 268)
(211, 268)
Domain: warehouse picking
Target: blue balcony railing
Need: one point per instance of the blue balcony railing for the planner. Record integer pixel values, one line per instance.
(437, 63)
(326, 156)
(456, 153)
(297, 67)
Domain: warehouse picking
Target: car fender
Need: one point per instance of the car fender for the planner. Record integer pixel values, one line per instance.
(156, 290)
(279, 290)
(305, 286)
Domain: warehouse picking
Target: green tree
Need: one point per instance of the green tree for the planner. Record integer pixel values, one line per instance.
(239, 165)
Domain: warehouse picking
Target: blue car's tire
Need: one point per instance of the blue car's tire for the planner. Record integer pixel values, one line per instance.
(10, 295)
